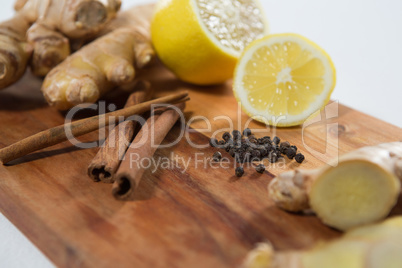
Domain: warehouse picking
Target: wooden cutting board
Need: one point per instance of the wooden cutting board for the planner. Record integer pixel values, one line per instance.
(194, 217)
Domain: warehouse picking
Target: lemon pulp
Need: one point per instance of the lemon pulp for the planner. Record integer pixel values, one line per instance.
(234, 24)
(284, 75)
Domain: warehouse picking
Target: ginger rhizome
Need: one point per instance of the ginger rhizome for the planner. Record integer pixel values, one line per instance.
(362, 188)
(55, 22)
(372, 246)
(14, 50)
(48, 26)
(104, 64)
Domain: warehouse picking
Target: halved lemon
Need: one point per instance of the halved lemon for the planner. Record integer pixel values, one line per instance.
(201, 40)
(282, 79)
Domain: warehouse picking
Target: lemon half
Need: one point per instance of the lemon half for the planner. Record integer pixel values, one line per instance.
(282, 79)
(201, 40)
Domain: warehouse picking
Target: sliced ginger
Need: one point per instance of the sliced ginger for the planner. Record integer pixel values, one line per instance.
(362, 188)
(107, 62)
(374, 246)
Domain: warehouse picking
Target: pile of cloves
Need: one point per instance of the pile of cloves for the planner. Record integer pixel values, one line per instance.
(247, 148)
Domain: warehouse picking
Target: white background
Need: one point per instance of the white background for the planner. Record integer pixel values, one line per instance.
(364, 39)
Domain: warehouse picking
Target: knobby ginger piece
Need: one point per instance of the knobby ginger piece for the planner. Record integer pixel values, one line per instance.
(373, 246)
(362, 188)
(14, 50)
(107, 62)
(55, 22)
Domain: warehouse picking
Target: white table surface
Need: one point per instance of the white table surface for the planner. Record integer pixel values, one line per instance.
(363, 37)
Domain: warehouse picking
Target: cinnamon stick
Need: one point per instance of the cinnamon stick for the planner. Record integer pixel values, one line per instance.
(107, 160)
(78, 128)
(129, 174)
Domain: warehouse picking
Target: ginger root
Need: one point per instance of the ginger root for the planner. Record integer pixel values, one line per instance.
(373, 246)
(14, 50)
(56, 22)
(41, 30)
(362, 188)
(103, 64)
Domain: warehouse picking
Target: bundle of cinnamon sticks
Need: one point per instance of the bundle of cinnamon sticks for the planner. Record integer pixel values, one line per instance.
(110, 165)
(112, 162)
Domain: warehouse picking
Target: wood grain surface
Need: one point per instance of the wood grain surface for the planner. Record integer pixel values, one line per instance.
(194, 217)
